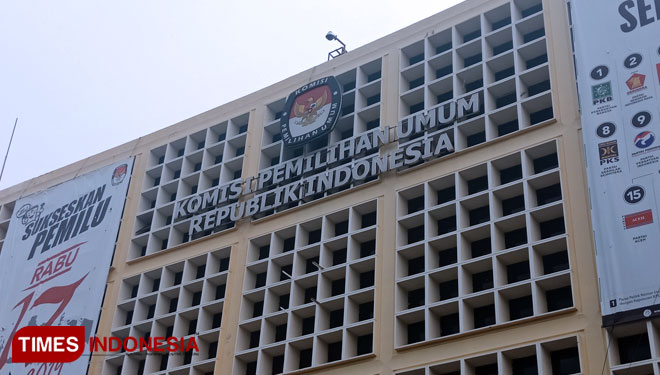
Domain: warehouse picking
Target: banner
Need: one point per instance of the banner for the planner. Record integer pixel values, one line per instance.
(617, 51)
(55, 261)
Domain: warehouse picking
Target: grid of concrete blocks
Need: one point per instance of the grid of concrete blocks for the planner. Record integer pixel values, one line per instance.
(184, 299)
(481, 247)
(198, 162)
(308, 294)
(501, 55)
(635, 348)
(557, 357)
(6, 210)
(478, 248)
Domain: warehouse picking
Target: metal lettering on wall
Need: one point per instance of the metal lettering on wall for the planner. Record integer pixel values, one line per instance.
(618, 64)
(329, 168)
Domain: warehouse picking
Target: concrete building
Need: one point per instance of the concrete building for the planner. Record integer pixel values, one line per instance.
(480, 261)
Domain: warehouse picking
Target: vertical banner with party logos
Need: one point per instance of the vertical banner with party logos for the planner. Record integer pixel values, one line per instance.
(55, 260)
(617, 51)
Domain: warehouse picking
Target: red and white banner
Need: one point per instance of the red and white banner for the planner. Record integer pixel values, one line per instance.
(55, 261)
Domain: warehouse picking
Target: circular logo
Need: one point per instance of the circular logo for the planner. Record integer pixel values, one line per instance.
(633, 61)
(641, 119)
(311, 111)
(119, 174)
(600, 72)
(644, 139)
(647, 313)
(634, 194)
(606, 130)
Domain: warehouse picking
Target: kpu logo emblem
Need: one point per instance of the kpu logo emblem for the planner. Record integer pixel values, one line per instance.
(644, 139)
(636, 82)
(119, 174)
(602, 93)
(311, 111)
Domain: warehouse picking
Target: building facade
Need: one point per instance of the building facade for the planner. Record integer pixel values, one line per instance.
(477, 261)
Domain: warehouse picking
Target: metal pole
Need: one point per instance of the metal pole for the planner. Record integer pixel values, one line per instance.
(342, 44)
(8, 147)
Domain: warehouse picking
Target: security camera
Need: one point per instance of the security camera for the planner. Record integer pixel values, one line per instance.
(330, 36)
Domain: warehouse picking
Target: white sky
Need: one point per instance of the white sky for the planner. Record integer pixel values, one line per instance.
(84, 76)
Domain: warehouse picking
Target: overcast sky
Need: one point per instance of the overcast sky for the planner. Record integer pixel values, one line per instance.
(83, 76)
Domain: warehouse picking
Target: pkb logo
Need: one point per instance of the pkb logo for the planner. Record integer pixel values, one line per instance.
(602, 93)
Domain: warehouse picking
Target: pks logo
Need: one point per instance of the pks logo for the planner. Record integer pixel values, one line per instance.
(29, 213)
(602, 93)
(644, 139)
(636, 82)
(609, 152)
(311, 111)
(119, 174)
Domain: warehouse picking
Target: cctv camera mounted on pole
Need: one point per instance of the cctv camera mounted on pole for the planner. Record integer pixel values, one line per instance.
(337, 52)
